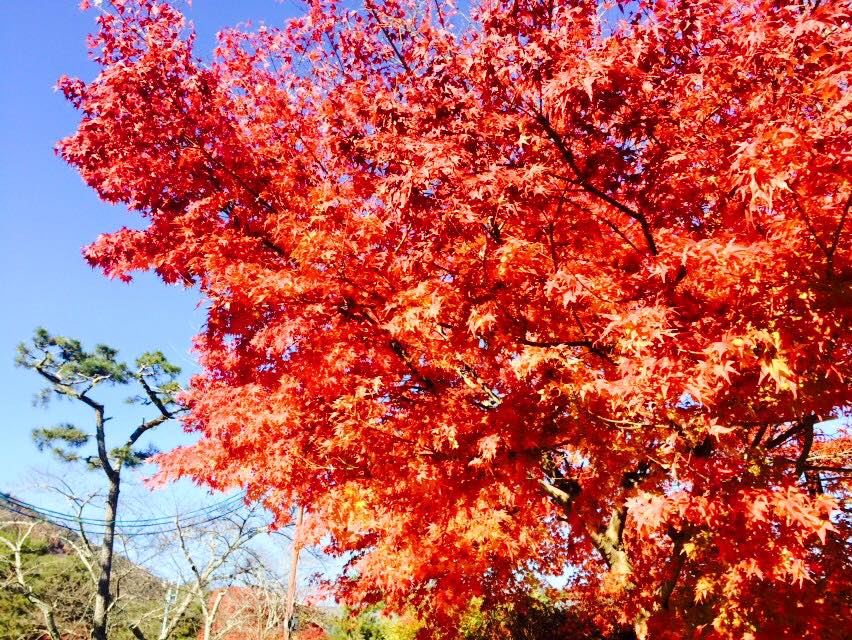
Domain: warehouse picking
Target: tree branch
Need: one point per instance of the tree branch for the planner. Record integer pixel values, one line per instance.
(98, 408)
(569, 158)
(835, 238)
(549, 344)
(802, 460)
(371, 7)
(678, 559)
(144, 427)
(778, 440)
(608, 542)
(25, 589)
(154, 397)
(563, 498)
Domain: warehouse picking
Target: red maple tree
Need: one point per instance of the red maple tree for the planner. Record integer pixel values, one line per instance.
(545, 288)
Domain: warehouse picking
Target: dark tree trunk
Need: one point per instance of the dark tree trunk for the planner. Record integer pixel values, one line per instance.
(102, 597)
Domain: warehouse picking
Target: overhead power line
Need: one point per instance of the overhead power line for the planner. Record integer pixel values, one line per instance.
(228, 502)
(143, 526)
(134, 534)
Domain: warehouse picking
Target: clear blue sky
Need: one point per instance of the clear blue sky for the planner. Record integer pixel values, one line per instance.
(47, 215)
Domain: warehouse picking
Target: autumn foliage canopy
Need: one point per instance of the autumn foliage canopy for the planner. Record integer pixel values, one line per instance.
(529, 296)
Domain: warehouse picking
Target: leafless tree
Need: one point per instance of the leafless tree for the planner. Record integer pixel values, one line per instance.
(19, 533)
(210, 561)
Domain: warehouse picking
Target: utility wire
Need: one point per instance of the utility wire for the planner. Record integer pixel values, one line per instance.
(134, 534)
(228, 502)
(60, 520)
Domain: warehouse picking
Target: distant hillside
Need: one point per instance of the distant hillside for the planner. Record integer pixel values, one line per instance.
(56, 574)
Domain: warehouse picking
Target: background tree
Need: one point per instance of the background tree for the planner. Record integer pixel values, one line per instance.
(73, 373)
(49, 586)
(372, 624)
(496, 296)
(212, 563)
(23, 584)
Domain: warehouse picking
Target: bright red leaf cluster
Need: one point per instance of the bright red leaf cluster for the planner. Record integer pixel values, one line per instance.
(543, 288)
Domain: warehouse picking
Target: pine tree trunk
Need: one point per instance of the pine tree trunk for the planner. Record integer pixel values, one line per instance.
(102, 597)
